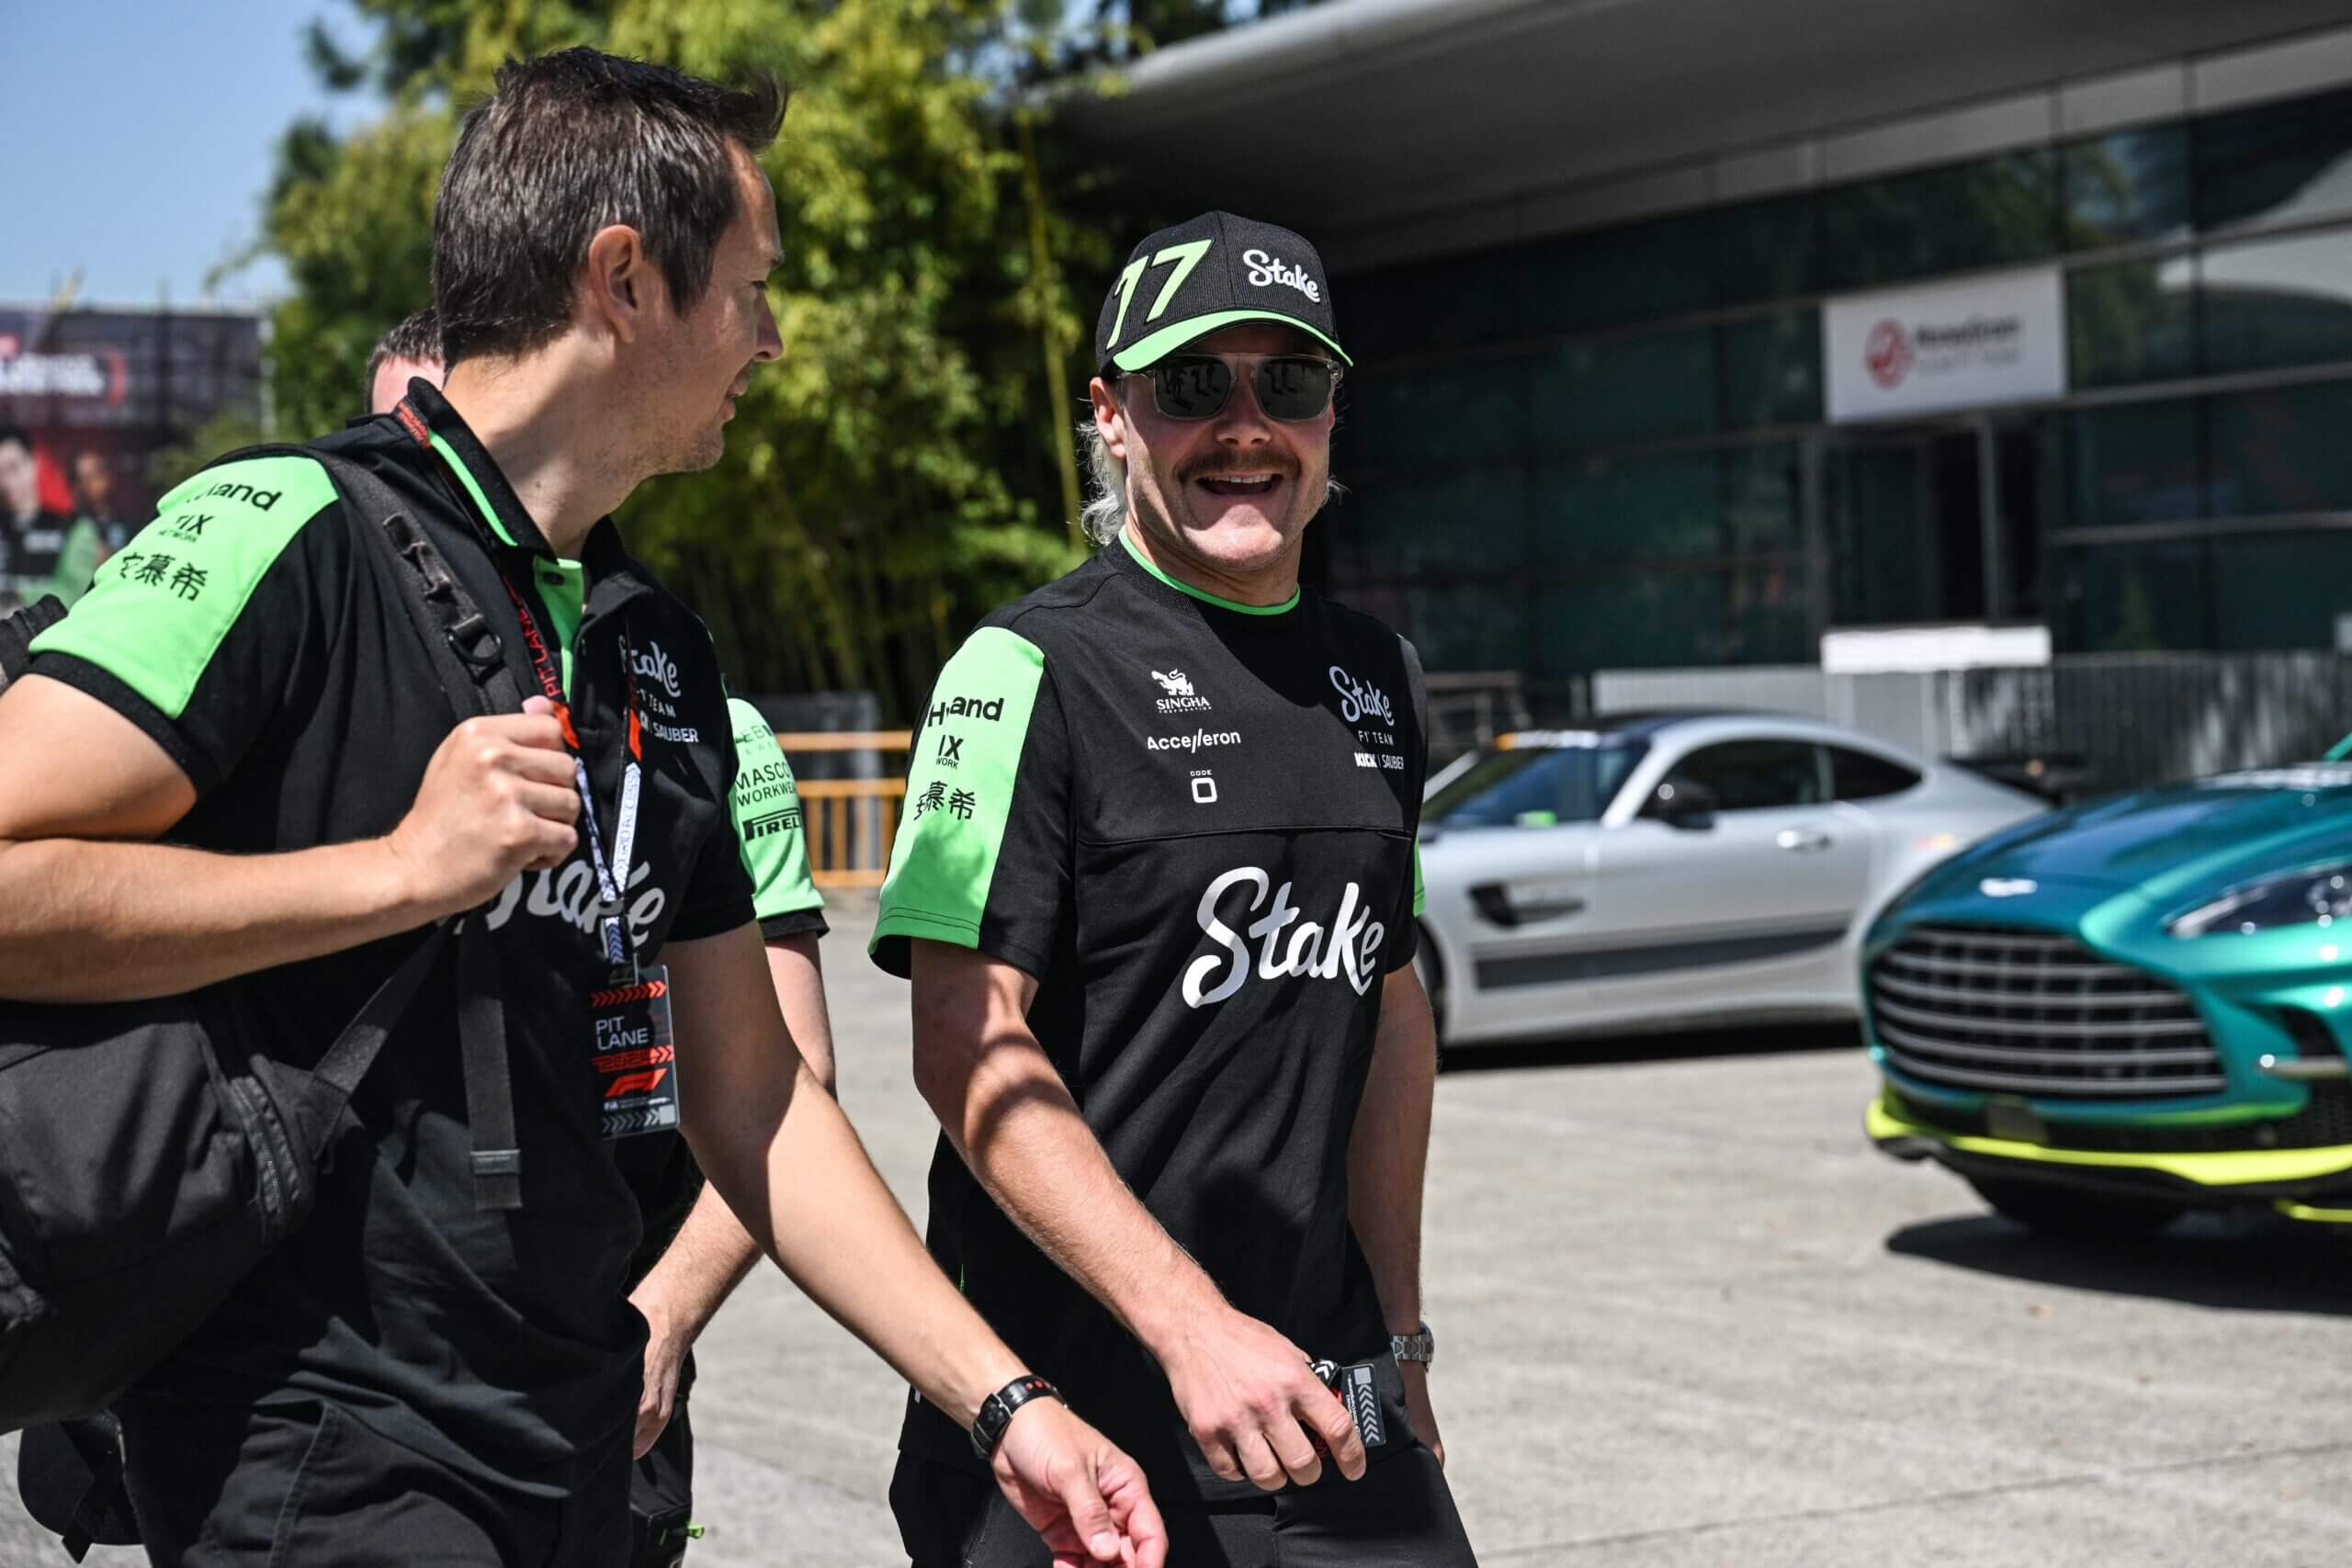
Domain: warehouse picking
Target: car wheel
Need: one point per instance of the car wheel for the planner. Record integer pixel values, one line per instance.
(2063, 1211)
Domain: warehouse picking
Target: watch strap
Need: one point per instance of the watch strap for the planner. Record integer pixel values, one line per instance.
(996, 1411)
(1419, 1346)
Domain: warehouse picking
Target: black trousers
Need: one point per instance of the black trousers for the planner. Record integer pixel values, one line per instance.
(232, 1486)
(1400, 1515)
(662, 1495)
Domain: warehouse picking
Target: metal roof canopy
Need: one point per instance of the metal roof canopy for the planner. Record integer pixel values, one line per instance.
(1358, 120)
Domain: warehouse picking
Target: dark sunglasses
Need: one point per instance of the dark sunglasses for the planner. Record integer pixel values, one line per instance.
(1290, 387)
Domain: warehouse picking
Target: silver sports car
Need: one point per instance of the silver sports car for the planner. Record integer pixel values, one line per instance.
(1669, 870)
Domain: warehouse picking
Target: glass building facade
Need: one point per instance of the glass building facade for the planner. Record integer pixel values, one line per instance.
(1609, 449)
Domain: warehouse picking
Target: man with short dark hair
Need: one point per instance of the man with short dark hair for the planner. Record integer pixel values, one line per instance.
(413, 348)
(232, 769)
(42, 551)
(694, 1251)
(1155, 887)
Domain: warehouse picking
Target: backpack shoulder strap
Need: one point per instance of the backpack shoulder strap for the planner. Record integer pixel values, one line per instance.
(470, 660)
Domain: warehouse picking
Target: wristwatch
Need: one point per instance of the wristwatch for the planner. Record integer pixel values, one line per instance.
(996, 1411)
(1419, 1346)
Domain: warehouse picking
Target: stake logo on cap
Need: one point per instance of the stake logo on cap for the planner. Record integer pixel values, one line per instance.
(1210, 272)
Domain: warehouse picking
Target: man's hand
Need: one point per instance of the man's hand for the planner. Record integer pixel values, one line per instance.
(1086, 1498)
(1416, 1405)
(1251, 1399)
(666, 1360)
(498, 798)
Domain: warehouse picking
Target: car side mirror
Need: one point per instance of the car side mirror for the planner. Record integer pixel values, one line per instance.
(1683, 803)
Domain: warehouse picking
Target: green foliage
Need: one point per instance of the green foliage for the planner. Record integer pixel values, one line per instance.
(896, 475)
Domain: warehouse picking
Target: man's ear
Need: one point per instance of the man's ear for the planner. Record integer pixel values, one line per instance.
(619, 283)
(1110, 417)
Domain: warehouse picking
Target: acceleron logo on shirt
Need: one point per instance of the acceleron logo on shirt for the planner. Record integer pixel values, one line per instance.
(1282, 943)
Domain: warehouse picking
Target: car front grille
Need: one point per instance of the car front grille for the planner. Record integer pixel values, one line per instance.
(2032, 1012)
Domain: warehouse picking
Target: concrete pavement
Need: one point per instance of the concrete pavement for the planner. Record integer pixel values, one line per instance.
(1689, 1318)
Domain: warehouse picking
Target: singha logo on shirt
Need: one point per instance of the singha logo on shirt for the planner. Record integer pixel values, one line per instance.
(1350, 946)
(1180, 697)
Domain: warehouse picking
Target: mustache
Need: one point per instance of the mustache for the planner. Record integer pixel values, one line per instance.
(1217, 466)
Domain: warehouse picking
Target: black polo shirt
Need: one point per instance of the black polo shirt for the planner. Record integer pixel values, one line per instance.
(1193, 822)
(250, 630)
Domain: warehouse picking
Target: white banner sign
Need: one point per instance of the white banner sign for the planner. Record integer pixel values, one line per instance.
(1957, 345)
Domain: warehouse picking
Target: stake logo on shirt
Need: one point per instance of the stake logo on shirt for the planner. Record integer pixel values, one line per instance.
(1359, 700)
(1351, 946)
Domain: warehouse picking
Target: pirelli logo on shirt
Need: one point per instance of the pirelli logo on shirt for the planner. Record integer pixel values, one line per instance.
(783, 821)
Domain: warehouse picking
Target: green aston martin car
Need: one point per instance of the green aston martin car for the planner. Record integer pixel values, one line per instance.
(2114, 1013)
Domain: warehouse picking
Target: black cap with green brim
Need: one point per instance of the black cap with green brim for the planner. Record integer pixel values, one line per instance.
(1209, 272)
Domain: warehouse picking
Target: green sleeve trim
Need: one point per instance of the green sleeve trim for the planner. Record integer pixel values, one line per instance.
(1420, 892)
(769, 825)
(1204, 597)
(160, 609)
(960, 790)
(473, 487)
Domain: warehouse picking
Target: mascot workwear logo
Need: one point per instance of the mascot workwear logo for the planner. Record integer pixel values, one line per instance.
(1350, 946)
(657, 667)
(1359, 701)
(1180, 697)
(992, 709)
(1265, 271)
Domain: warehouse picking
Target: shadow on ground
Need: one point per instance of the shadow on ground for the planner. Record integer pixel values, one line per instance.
(2237, 1263)
(1762, 1040)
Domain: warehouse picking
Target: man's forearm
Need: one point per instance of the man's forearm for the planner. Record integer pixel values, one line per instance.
(824, 1214)
(798, 976)
(1014, 1119)
(85, 920)
(1389, 1150)
(709, 1257)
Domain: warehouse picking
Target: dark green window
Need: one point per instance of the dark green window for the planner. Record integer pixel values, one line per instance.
(1602, 509)
(1441, 414)
(1629, 388)
(2125, 188)
(1771, 370)
(2134, 598)
(2278, 302)
(2285, 449)
(2135, 463)
(2131, 323)
(1617, 620)
(1986, 213)
(2274, 161)
(2281, 590)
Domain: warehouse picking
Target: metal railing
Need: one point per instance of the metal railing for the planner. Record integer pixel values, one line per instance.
(850, 822)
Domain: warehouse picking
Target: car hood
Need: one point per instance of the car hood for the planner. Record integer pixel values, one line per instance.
(2176, 840)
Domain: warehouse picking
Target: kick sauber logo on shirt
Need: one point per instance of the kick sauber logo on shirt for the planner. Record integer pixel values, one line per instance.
(1350, 946)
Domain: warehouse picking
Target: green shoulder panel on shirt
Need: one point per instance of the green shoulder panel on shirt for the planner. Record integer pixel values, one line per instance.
(768, 821)
(160, 610)
(960, 790)
(1421, 893)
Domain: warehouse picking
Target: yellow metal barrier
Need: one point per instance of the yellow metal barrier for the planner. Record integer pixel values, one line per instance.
(850, 823)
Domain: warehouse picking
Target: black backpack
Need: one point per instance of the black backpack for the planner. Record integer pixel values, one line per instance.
(151, 1154)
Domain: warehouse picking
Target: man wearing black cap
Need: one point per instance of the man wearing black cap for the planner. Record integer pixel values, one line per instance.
(1155, 888)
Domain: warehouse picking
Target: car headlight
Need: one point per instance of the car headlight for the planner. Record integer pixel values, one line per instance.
(2320, 897)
